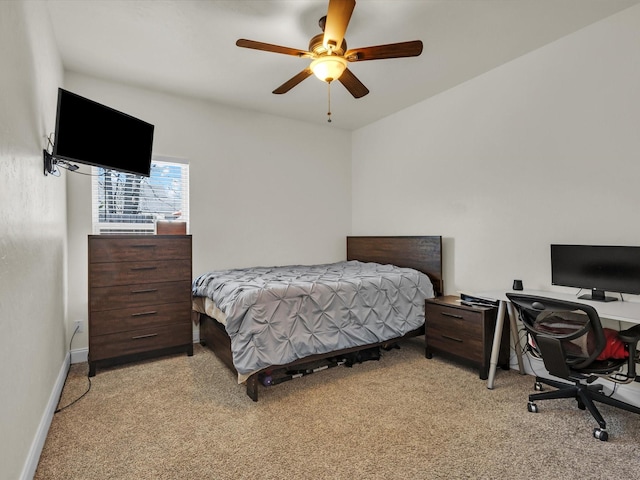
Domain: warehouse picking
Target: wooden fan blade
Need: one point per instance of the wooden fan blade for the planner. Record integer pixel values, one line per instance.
(338, 16)
(268, 47)
(392, 50)
(351, 83)
(292, 82)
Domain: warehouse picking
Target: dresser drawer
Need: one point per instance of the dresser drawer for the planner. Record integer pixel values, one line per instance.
(134, 273)
(106, 249)
(126, 319)
(103, 347)
(128, 296)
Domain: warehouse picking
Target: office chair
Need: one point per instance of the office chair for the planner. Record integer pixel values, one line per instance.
(569, 338)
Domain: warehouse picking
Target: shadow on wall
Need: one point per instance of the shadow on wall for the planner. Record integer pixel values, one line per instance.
(448, 265)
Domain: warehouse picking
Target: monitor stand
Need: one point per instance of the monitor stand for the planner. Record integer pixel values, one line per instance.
(597, 296)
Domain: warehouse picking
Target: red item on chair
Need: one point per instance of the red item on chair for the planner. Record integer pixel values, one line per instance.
(614, 348)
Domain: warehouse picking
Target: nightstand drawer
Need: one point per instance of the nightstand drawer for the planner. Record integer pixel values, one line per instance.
(464, 332)
(451, 319)
(458, 342)
(127, 319)
(136, 341)
(139, 248)
(129, 273)
(130, 296)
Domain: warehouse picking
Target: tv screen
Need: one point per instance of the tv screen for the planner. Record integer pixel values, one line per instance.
(597, 267)
(91, 133)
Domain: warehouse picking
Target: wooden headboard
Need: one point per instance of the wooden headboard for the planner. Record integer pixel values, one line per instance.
(420, 253)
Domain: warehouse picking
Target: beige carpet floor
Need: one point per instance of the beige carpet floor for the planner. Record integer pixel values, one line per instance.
(403, 417)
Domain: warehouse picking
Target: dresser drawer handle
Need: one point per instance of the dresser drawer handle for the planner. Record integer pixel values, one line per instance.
(140, 337)
(141, 314)
(143, 268)
(143, 246)
(148, 290)
(450, 315)
(452, 338)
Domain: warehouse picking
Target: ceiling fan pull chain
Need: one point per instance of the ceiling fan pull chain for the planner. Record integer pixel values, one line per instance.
(329, 92)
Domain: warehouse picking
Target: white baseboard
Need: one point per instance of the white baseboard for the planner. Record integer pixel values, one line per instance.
(31, 464)
(79, 355)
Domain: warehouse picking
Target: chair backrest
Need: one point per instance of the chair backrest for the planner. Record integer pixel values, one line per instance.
(570, 330)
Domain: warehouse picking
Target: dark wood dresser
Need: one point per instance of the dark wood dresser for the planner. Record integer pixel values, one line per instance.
(139, 297)
(463, 332)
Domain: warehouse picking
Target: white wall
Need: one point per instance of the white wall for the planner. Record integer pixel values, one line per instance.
(32, 238)
(543, 149)
(264, 190)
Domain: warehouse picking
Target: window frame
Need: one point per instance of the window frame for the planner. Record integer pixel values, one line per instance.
(101, 227)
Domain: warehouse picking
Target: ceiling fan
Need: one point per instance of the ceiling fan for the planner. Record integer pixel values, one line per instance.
(329, 54)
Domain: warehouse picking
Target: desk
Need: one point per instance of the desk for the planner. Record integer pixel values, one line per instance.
(621, 311)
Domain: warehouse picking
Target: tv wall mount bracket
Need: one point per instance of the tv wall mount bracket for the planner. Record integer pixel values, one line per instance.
(50, 163)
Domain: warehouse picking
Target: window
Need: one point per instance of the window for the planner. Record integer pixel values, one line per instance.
(127, 203)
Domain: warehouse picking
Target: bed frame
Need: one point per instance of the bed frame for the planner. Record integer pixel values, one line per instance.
(420, 253)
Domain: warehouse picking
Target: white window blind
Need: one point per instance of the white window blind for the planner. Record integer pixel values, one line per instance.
(127, 203)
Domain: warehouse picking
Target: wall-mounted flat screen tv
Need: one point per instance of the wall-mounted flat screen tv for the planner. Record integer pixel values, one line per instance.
(90, 133)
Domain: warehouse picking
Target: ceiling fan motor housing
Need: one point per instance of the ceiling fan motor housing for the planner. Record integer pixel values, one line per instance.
(316, 46)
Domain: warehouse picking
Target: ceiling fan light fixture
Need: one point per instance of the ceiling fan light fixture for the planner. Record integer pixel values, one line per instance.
(329, 67)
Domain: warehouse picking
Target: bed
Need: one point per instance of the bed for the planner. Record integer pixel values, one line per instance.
(264, 318)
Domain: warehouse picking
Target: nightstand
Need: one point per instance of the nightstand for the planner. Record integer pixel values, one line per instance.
(463, 332)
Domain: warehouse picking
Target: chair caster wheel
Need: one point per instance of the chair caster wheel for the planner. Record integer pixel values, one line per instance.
(537, 386)
(533, 408)
(601, 434)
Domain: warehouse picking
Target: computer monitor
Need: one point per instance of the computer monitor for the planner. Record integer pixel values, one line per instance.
(599, 268)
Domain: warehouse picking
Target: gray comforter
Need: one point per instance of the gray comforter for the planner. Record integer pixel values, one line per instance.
(275, 315)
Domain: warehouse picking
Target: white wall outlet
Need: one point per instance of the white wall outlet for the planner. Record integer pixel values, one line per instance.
(79, 325)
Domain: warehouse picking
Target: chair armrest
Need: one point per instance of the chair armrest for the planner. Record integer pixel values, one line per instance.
(631, 335)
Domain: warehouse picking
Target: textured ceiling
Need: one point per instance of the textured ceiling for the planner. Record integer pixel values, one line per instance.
(188, 47)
